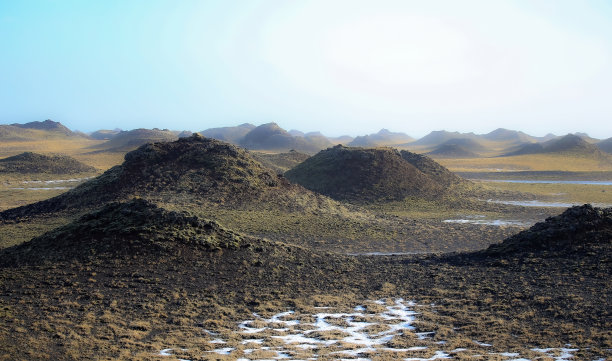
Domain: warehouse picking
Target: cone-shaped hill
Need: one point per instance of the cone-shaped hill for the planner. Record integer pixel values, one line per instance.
(370, 174)
(580, 228)
(194, 170)
(29, 162)
(569, 144)
(452, 151)
(137, 226)
(129, 140)
(138, 235)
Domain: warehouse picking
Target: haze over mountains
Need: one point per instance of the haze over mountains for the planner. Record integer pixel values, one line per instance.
(273, 138)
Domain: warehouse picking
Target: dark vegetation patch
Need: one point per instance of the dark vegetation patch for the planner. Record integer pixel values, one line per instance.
(30, 162)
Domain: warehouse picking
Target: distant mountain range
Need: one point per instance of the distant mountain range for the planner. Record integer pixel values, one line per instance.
(272, 138)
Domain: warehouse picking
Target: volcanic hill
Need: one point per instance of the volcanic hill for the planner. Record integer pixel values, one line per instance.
(129, 140)
(229, 134)
(193, 170)
(48, 125)
(569, 144)
(370, 174)
(605, 145)
(272, 137)
(577, 230)
(383, 138)
(105, 134)
(35, 131)
(452, 151)
(29, 162)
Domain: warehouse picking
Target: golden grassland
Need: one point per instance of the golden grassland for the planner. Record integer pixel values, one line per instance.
(77, 147)
(530, 162)
(570, 193)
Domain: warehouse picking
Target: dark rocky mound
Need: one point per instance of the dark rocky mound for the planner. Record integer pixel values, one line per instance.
(605, 145)
(137, 227)
(195, 170)
(383, 138)
(452, 151)
(272, 137)
(579, 228)
(363, 175)
(281, 162)
(229, 134)
(29, 162)
(105, 134)
(132, 139)
(433, 169)
(48, 125)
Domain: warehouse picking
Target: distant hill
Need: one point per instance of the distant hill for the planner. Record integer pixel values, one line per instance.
(605, 145)
(129, 140)
(383, 138)
(587, 137)
(29, 162)
(33, 131)
(529, 148)
(452, 151)
(568, 144)
(440, 136)
(191, 170)
(343, 139)
(506, 135)
(229, 134)
(433, 169)
(369, 174)
(272, 137)
(280, 162)
(48, 124)
(105, 134)
(578, 229)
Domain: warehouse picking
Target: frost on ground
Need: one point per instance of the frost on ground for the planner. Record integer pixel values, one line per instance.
(383, 329)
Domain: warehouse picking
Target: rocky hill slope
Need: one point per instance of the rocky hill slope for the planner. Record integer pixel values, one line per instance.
(371, 174)
(29, 162)
(578, 229)
(194, 170)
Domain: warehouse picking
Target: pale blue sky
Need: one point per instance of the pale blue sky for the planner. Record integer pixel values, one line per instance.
(338, 66)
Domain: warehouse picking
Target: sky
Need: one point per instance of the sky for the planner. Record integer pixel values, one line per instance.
(335, 66)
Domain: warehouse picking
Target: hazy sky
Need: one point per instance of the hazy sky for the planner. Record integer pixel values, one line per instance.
(341, 67)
